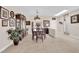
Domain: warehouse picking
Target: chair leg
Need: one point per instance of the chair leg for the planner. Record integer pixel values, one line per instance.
(36, 38)
(42, 37)
(32, 37)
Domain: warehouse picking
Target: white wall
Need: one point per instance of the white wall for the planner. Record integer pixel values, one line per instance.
(4, 41)
(60, 27)
(72, 29)
(53, 24)
(52, 28)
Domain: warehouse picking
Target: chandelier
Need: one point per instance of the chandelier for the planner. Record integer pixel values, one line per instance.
(36, 17)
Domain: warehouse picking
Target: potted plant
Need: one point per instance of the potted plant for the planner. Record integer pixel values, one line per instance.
(15, 37)
(20, 33)
(9, 31)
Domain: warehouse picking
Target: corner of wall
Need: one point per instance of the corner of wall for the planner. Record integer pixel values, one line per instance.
(5, 47)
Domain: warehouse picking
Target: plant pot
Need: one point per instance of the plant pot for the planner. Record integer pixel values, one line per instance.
(16, 41)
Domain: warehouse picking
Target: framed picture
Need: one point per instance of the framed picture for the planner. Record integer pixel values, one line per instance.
(46, 23)
(4, 13)
(53, 18)
(75, 19)
(12, 14)
(27, 22)
(18, 24)
(11, 22)
(4, 22)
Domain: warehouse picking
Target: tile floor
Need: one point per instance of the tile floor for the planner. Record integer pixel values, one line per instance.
(50, 45)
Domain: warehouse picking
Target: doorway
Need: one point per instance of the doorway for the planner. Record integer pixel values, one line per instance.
(65, 26)
(47, 30)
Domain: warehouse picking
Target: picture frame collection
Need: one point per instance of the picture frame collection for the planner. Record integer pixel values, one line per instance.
(27, 22)
(46, 23)
(4, 15)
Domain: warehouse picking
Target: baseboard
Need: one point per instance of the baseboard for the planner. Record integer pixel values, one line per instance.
(74, 37)
(53, 36)
(1, 50)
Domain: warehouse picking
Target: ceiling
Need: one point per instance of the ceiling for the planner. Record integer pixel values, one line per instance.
(43, 10)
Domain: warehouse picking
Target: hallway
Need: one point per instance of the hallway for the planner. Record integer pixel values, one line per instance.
(50, 44)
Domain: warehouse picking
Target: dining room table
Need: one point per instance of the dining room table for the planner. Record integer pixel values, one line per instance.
(39, 33)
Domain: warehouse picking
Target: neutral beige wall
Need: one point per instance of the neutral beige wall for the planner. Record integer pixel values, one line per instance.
(72, 29)
(60, 27)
